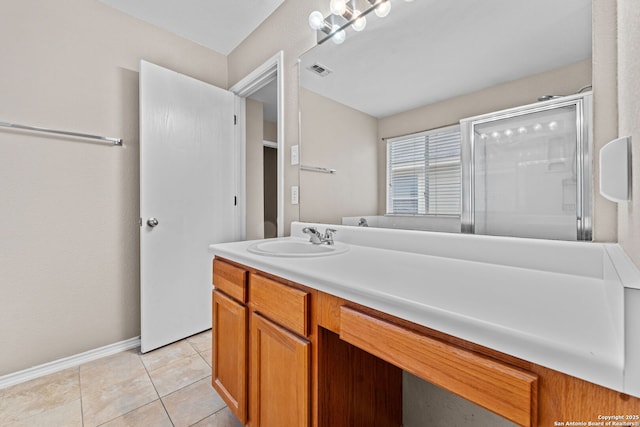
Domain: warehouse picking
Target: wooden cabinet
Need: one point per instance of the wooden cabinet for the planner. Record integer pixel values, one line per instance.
(287, 355)
(229, 371)
(261, 331)
(229, 359)
(280, 354)
(230, 279)
(503, 389)
(280, 376)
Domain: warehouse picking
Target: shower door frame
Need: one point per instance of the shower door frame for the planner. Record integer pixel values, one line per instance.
(584, 169)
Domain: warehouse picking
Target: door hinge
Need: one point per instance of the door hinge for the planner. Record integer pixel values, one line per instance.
(235, 200)
(235, 119)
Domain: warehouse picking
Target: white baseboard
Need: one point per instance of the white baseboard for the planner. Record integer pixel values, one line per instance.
(67, 362)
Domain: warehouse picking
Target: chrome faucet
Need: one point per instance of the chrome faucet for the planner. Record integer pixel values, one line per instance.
(318, 238)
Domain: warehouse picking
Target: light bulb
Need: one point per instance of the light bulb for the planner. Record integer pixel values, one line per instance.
(338, 36)
(316, 20)
(383, 8)
(338, 7)
(537, 127)
(508, 133)
(360, 22)
(484, 136)
(553, 125)
(522, 130)
(495, 135)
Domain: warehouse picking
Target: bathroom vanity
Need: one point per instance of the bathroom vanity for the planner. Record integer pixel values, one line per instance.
(302, 338)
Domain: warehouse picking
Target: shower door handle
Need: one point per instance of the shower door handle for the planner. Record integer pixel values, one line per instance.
(152, 222)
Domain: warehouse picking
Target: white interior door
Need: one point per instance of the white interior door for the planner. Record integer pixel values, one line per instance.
(187, 193)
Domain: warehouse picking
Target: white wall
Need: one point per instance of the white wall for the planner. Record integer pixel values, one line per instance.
(69, 234)
(605, 101)
(629, 119)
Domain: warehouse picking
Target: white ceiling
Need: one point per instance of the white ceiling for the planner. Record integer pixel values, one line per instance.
(430, 50)
(220, 25)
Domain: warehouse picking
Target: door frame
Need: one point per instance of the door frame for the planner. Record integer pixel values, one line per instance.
(270, 70)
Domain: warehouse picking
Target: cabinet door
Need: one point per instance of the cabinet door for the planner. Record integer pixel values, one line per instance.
(229, 360)
(279, 376)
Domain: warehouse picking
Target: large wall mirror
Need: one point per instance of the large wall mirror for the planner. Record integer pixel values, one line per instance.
(428, 64)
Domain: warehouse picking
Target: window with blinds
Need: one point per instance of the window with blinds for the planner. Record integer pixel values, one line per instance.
(423, 173)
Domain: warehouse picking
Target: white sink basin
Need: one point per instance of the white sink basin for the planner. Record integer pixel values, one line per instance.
(295, 248)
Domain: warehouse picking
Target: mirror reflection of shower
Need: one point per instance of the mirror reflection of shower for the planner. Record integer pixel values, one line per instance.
(550, 97)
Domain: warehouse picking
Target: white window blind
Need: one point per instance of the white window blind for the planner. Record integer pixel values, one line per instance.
(423, 173)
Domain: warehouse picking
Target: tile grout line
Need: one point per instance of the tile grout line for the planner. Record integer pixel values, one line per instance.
(154, 387)
(81, 399)
(148, 403)
(199, 347)
(210, 415)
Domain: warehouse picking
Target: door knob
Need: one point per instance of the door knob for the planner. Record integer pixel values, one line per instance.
(152, 222)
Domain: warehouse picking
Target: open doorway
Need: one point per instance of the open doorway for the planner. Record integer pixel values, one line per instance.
(260, 134)
(262, 162)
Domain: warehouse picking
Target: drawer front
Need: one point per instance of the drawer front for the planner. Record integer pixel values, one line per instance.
(507, 391)
(230, 279)
(281, 303)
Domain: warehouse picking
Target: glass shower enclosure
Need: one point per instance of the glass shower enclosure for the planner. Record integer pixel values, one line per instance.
(526, 171)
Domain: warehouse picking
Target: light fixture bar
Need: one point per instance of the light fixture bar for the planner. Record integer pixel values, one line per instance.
(332, 25)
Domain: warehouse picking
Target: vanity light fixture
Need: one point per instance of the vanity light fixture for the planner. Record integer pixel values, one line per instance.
(330, 27)
(344, 13)
(381, 7)
(338, 7)
(316, 20)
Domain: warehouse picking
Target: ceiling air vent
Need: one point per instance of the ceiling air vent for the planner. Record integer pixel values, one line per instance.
(320, 70)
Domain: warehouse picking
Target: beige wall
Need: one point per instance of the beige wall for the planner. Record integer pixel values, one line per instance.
(270, 131)
(335, 136)
(424, 401)
(254, 168)
(69, 234)
(629, 120)
(561, 81)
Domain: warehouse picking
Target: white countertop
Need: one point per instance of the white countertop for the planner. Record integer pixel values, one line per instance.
(558, 318)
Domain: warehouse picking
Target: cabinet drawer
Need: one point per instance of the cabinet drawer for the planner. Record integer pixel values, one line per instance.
(281, 303)
(507, 391)
(230, 279)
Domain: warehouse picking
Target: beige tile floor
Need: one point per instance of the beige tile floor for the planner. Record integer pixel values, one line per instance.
(170, 386)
